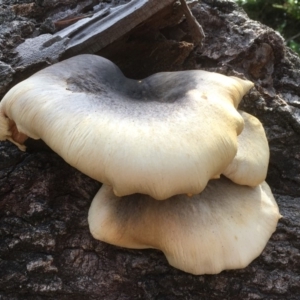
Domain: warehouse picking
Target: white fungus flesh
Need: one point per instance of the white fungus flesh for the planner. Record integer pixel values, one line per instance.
(250, 165)
(224, 227)
(165, 135)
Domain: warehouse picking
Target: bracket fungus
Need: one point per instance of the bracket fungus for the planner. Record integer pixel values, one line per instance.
(137, 136)
(163, 137)
(224, 227)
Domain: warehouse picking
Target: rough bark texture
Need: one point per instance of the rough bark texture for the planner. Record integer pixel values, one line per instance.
(46, 250)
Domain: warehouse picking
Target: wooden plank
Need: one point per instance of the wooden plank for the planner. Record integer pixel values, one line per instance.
(104, 27)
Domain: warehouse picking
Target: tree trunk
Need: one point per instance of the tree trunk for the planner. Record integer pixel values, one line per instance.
(46, 250)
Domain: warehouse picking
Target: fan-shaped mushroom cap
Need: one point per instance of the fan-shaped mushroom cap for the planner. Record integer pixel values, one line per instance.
(167, 134)
(250, 165)
(224, 227)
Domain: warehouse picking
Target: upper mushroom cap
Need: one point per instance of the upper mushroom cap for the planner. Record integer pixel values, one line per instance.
(167, 134)
(224, 227)
(250, 165)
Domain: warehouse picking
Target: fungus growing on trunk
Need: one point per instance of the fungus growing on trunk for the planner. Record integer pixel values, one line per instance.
(165, 135)
(224, 227)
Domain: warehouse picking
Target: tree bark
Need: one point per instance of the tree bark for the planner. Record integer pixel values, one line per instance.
(46, 250)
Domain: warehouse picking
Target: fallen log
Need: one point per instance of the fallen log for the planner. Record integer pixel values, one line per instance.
(46, 250)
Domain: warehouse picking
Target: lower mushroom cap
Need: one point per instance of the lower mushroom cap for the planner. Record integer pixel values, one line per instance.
(167, 134)
(250, 165)
(224, 227)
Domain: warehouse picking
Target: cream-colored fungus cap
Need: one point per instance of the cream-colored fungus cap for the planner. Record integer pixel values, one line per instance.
(250, 165)
(224, 227)
(167, 134)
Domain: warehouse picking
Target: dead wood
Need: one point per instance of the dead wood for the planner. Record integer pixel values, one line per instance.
(46, 250)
